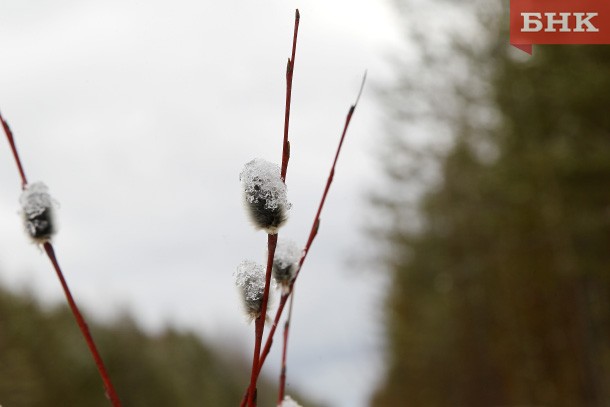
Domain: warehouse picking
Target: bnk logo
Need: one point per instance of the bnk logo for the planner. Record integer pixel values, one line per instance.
(559, 22)
(533, 22)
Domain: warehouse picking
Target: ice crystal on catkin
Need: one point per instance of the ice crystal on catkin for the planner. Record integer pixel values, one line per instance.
(250, 278)
(265, 195)
(37, 210)
(289, 402)
(286, 263)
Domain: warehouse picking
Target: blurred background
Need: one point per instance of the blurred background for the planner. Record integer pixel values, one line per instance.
(462, 258)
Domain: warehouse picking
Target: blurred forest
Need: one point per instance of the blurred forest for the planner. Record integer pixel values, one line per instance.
(44, 362)
(500, 267)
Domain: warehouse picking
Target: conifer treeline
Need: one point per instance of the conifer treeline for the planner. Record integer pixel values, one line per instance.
(501, 294)
(44, 362)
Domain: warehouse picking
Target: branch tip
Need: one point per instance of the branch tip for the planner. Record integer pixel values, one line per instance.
(11, 141)
(360, 91)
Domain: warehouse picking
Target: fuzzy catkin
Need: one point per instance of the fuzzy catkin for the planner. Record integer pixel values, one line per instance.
(286, 263)
(38, 212)
(265, 195)
(289, 402)
(250, 279)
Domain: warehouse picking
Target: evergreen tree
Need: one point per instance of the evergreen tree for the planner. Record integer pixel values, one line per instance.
(44, 362)
(500, 290)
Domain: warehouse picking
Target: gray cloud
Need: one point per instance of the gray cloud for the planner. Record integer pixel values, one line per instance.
(140, 115)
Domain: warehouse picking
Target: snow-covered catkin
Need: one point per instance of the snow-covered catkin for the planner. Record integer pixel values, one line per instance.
(286, 263)
(250, 278)
(289, 402)
(265, 195)
(38, 213)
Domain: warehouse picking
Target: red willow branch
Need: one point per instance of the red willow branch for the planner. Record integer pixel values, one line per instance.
(289, 75)
(313, 232)
(82, 325)
(259, 323)
(11, 141)
(282, 388)
(272, 239)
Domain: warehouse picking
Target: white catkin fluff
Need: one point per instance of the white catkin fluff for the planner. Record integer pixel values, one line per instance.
(265, 194)
(286, 263)
(289, 402)
(250, 278)
(37, 210)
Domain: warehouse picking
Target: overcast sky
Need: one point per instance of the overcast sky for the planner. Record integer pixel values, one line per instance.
(139, 116)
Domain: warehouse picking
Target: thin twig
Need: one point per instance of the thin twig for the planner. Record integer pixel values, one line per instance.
(316, 223)
(11, 142)
(272, 239)
(82, 324)
(312, 234)
(282, 389)
(289, 75)
(259, 323)
(314, 229)
(276, 320)
(111, 393)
